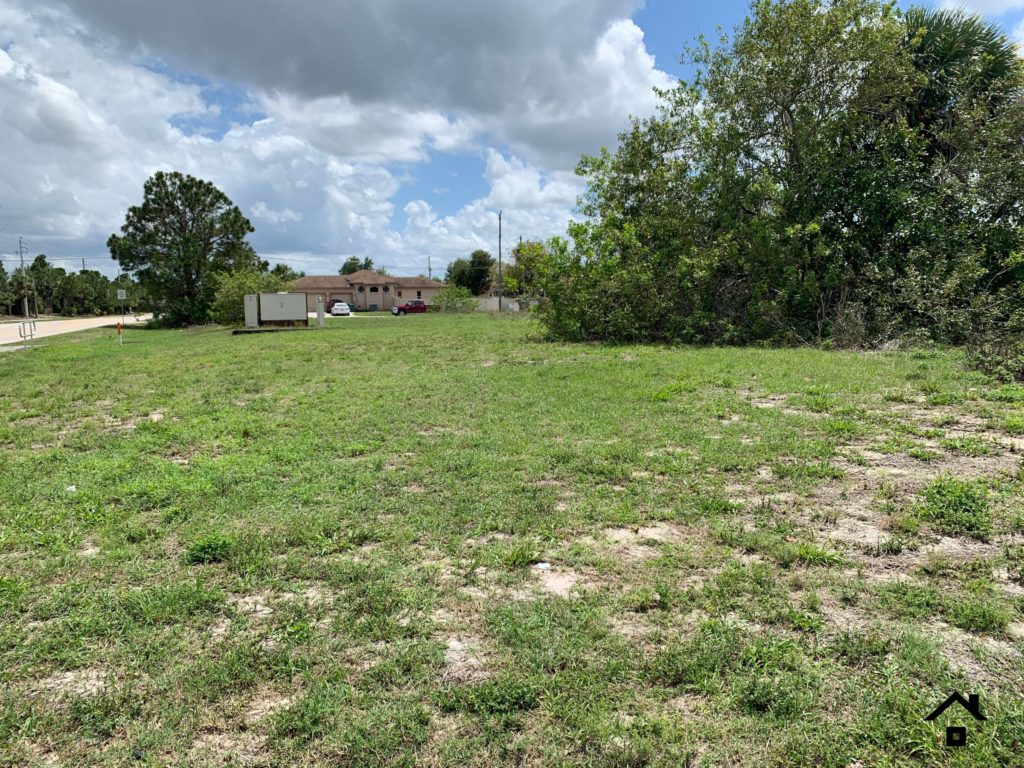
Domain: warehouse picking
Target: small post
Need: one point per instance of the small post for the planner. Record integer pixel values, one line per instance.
(122, 294)
(320, 312)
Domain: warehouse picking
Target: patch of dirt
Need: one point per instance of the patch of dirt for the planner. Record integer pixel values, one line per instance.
(669, 450)
(487, 538)
(1005, 581)
(739, 493)
(557, 581)
(156, 416)
(688, 705)
(89, 549)
(414, 488)
(637, 543)
(635, 627)
(219, 748)
(852, 512)
(769, 401)
(117, 425)
(182, 457)
(220, 629)
(858, 528)
(317, 595)
(842, 618)
(90, 681)
(256, 605)
(266, 703)
(986, 661)
(464, 660)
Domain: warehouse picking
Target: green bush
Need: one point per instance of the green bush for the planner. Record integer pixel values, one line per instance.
(230, 291)
(958, 508)
(454, 299)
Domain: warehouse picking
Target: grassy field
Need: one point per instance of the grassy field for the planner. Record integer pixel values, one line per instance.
(442, 541)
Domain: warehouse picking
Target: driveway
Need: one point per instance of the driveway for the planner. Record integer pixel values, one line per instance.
(9, 331)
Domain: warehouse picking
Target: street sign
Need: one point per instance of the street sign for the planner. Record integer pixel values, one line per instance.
(122, 294)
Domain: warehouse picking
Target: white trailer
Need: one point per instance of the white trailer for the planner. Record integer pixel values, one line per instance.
(280, 309)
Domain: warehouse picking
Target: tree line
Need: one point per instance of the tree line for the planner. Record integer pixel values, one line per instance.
(835, 171)
(50, 289)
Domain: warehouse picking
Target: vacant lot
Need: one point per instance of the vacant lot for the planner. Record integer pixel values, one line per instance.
(440, 541)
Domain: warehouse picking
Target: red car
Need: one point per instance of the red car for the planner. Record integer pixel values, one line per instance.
(409, 307)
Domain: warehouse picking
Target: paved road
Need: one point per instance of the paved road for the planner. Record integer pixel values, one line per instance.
(9, 331)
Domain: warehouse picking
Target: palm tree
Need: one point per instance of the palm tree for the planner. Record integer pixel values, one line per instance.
(965, 63)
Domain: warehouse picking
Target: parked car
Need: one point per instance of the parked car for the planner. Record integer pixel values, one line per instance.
(410, 307)
(340, 308)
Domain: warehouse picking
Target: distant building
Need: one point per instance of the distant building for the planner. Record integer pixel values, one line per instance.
(365, 290)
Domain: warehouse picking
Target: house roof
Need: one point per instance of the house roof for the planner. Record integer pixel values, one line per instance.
(362, 277)
(367, 277)
(417, 282)
(319, 282)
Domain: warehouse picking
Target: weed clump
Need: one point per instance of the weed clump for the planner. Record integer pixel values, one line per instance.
(957, 508)
(214, 548)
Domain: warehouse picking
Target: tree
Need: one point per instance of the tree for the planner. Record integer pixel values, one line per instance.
(184, 232)
(473, 273)
(7, 292)
(231, 287)
(286, 273)
(353, 264)
(522, 275)
(834, 171)
(87, 292)
(45, 278)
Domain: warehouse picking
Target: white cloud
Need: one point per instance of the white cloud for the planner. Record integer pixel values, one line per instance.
(987, 7)
(262, 211)
(317, 175)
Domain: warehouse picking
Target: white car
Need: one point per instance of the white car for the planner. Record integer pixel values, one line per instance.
(341, 309)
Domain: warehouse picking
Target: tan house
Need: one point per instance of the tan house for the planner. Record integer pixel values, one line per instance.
(365, 290)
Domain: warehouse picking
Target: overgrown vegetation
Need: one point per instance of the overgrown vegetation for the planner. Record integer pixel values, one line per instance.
(228, 307)
(836, 171)
(454, 298)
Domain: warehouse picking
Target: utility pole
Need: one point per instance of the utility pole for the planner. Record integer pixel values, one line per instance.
(500, 291)
(24, 276)
(430, 273)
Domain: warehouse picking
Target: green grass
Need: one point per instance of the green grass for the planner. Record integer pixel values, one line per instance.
(443, 541)
(958, 507)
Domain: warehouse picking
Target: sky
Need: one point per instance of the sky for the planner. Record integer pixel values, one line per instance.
(393, 130)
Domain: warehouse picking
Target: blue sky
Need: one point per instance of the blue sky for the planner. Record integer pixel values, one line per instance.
(337, 128)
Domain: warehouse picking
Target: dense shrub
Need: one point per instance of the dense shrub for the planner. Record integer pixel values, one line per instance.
(454, 298)
(231, 287)
(835, 172)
